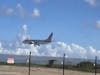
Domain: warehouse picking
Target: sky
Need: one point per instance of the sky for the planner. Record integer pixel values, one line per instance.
(73, 22)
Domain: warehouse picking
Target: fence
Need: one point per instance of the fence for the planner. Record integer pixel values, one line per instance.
(37, 65)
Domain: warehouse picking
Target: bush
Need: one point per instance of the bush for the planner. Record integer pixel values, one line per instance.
(86, 66)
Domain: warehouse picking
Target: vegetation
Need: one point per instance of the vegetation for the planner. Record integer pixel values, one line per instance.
(86, 66)
(82, 66)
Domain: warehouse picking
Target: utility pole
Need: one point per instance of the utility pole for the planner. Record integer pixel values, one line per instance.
(63, 63)
(29, 63)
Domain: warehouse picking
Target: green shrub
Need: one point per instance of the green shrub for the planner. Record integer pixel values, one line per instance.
(86, 66)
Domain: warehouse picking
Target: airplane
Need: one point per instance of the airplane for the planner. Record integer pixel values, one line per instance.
(38, 42)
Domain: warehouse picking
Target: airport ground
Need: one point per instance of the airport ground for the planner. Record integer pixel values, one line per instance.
(21, 70)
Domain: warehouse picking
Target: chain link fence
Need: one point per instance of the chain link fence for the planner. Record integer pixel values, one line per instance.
(41, 65)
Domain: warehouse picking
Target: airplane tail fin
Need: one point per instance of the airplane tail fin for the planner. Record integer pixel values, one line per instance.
(50, 37)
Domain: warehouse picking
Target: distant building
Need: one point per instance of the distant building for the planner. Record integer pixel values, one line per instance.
(10, 60)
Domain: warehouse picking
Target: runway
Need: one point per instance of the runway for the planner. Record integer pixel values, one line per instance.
(18, 70)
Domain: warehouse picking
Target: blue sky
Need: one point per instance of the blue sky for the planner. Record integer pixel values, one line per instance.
(72, 21)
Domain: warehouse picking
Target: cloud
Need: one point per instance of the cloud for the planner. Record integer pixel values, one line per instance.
(36, 13)
(25, 34)
(97, 24)
(19, 11)
(7, 11)
(91, 2)
(56, 50)
(25, 27)
(94, 25)
(39, 1)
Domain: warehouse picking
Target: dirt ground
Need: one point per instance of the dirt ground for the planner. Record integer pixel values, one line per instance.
(16, 70)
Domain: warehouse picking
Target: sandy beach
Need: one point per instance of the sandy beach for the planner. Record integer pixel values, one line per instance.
(17, 70)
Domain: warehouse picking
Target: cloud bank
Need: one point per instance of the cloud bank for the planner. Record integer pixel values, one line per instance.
(56, 49)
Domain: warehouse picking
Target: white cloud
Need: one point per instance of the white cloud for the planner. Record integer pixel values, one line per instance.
(39, 1)
(21, 11)
(19, 5)
(9, 11)
(91, 2)
(95, 25)
(58, 49)
(24, 35)
(98, 24)
(72, 51)
(25, 27)
(36, 13)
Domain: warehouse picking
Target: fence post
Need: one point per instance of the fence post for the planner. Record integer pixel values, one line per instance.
(63, 63)
(29, 63)
(95, 65)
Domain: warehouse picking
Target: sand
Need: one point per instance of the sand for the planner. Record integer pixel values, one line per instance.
(17, 70)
